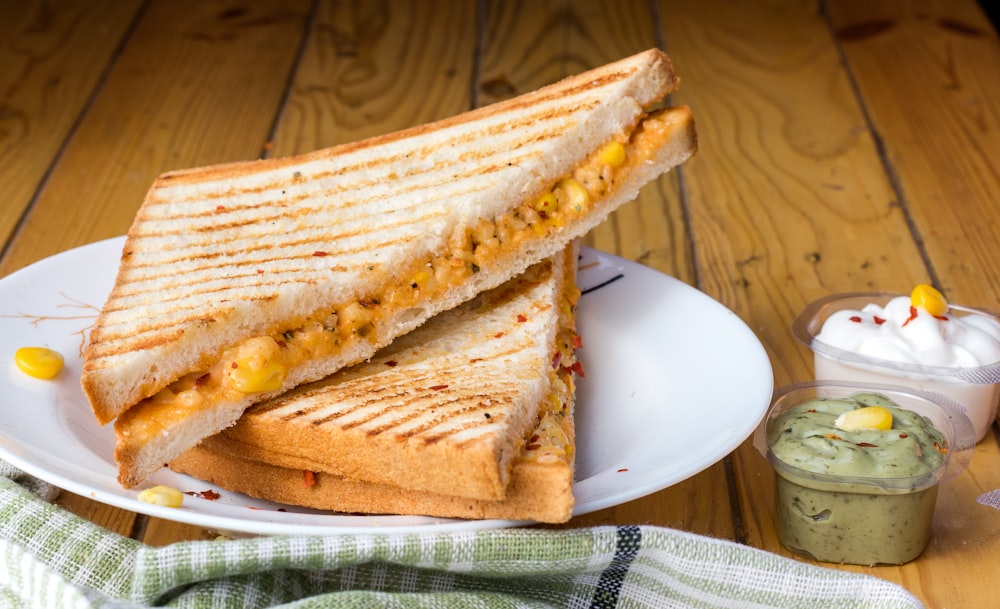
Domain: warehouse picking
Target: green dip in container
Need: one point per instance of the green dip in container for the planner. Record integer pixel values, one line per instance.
(862, 492)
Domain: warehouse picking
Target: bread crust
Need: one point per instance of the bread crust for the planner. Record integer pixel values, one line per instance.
(538, 492)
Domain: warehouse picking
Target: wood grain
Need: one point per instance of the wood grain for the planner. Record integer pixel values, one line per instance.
(370, 68)
(196, 83)
(53, 57)
(929, 75)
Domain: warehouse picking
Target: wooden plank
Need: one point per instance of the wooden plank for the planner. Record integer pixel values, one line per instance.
(368, 70)
(787, 196)
(52, 57)
(929, 74)
(196, 83)
(529, 44)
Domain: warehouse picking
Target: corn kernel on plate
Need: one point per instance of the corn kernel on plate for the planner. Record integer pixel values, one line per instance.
(651, 410)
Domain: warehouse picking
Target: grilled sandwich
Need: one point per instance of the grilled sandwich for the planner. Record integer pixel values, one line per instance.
(239, 282)
(469, 416)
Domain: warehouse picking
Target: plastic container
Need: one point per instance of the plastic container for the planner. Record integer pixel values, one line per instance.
(860, 519)
(977, 388)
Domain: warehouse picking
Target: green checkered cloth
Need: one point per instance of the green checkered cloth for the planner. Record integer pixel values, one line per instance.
(51, 558)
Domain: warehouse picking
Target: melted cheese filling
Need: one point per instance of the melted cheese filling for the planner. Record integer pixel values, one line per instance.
(259, 364)
(553, 440)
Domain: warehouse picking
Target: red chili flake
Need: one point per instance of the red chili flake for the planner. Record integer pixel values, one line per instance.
(281, 343)
(201, 380)
(866, 444)
(260, 271)
(210, 495)
(855, 319)
(941, 449)
(556, 358)
(521, 318)
(577, 342)
(577, 367)
(308, 478)
(392, 363)
(319, 253)
(913, 315)
(533, 446)
(498, 335)
(220, 208)
(475, 360)
(878, 320)
(234, 365)
(621, 469)
(942, 318)
(534, 438)
(438, 387)
(833, 436)
(812, 410)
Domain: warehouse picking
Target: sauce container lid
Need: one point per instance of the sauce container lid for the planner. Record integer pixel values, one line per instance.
(808, 324)
(946, 414)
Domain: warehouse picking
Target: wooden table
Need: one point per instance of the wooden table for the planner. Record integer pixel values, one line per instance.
(846, 145)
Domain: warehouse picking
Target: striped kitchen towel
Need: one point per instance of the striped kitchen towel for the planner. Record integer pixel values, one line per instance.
(51, 558)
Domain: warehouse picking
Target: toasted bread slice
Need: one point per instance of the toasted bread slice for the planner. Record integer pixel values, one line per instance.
(335, 446)
(240, 282)
(445, 409)
(541, 485)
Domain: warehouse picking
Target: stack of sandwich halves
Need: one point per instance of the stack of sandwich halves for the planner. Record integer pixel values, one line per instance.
(385, 326)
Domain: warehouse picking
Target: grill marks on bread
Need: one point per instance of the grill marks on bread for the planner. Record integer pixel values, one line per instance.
(422, 403)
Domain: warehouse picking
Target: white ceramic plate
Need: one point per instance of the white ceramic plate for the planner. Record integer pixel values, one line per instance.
(674, 382)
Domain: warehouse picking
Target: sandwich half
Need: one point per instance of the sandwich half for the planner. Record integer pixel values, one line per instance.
(469, 416)
(239, 282)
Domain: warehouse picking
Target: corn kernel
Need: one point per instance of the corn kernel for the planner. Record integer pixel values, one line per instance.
(38, 362)
(612, 154)
(869, 417)
(251, 377)
(929, 299)
(420, 279)
(576, 195)
(162, 495)
(545, 203)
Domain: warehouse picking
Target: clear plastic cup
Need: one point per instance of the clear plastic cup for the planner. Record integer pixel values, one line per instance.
(854, 519)
(978, 389)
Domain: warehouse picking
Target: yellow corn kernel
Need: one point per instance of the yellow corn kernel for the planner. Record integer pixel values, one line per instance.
(420, 279)
(869, 417)
(545, 203)
(162, 495)
(612, 154)
(250, 376)
(38, 362)
(929, 299)
(577, 198)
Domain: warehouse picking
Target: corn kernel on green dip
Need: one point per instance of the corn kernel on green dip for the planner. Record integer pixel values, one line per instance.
(808, 438)
(849, 521)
